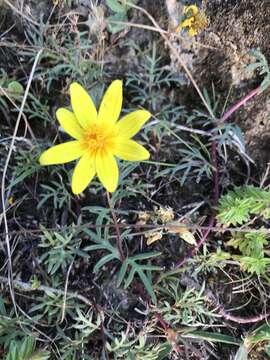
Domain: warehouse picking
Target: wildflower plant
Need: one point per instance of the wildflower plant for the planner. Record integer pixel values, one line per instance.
(99, 137)
(194, 21)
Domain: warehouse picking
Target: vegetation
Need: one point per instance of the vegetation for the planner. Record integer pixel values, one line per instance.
(167, 258)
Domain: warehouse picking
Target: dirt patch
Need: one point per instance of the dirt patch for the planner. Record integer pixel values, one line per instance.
(235, 28)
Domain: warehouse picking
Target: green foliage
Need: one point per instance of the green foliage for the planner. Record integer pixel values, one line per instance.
(49, 306)
(249, 244)
(87, 323)
(237, 208)
(260, 335)
(26, 350)
(57, 192)
(261, 65)
(238, 205)
(120, 11)
(254, 265)
(9, 326)
(132, 266)
(147, 86)
(137, 349)
(182, 306)
(26, 165)
(59, 250)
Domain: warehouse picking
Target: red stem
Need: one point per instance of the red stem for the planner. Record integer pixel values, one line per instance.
(195, 248)
(225, 116)
(242, 102)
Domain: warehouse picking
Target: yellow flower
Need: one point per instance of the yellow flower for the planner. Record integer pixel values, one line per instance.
(195, 21)
(99, 137)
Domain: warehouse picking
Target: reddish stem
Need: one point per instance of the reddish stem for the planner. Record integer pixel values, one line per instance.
(225, 116)
(195, 248)
(242, 102)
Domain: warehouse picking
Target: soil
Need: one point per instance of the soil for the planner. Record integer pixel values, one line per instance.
(235, 28)
(218, 56)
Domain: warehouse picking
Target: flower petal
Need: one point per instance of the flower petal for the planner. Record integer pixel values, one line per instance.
(107, 170)
(130, 150)
(111, 104)
(193, 9)
(130, 124)
(83, 174)
(82, 105)
(61, 154)
(69, 123)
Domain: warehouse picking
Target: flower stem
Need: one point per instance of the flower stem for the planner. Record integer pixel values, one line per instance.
(117, 229)
(212, 221)
(240, 103)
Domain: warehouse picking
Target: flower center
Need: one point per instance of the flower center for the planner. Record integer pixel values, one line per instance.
(97, 138)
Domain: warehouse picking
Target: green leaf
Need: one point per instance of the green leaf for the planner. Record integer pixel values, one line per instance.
(15, 87)
(116, 6)
(115, 28)
(242, 353)
(145, 256)
(148, 286)
(122, 272)
(130, 277)
(105, 259)
(213, 337)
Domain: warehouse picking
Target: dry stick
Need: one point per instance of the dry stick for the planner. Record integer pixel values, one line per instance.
(46, 289)
(3, 185)
(226, 116)
(117, 229)
(65, 292)
(214, 159)
(21, 13)
(29, 288)
(211, 298)
(147, 227)
(176, 54)
(241, 320)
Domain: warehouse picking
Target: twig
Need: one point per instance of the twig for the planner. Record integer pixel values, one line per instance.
(25, 286)
(242, 102)
(147, 227)
(3, 184)
(242, 320)
(65, 293)
(176, 54)
(211, 298)
(117, 229)
(20, 12)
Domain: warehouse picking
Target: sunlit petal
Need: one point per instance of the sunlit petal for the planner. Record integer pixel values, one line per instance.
(193, 9)
(83, 174)
(130, 124)
(107, 171)
(111, 104)
(82, 105)
(69, 123)
(63, 153)
(130, 150)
